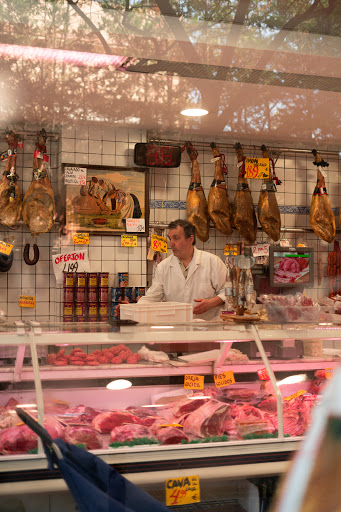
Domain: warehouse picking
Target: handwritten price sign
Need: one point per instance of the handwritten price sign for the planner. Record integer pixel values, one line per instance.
(182, 491)
(329, 373)
(128, 241)
(257, 168)
(80, 239)
(6, 248)
(263, 374)
(194, 382)
(224, 379)
(260, 250)
(27, 301)
(158, 243)
(74, 175)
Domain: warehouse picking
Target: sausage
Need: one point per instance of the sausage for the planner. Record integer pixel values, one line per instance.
(27, 254)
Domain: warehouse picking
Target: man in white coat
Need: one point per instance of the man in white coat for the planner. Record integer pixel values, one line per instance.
(189, 275)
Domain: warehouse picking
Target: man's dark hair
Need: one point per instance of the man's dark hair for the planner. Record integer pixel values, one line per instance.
(188, 228)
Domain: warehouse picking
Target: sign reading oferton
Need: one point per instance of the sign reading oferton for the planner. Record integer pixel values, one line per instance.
(76, 261)
(74, 175)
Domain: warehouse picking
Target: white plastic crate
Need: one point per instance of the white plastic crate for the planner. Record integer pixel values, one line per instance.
(157, 312)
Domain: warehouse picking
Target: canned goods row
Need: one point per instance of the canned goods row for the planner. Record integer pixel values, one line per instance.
(81, 310)
(85, 279)
(91, 294)
(129, 293)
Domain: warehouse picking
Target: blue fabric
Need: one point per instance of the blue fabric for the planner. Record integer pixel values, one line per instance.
(97, 487)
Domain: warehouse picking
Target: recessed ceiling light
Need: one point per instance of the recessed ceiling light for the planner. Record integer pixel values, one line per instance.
(194, 112)
(119, 384)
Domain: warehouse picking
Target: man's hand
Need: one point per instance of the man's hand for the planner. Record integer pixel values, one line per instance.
(206, 304)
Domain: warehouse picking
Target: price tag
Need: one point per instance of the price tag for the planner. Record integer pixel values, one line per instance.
(27, 301)
(257, 168)
(171, 425)
(76, 261)
(260, 250)
(194, 382)
(6, 248)
(135, 225)
(329, 372)
(74, 175)
(158, 243)
(80, 239)
(128, 241)
(284, 243)
(295, 395)
(231, 250)
(224, 379)
(182, 491)
(263, 374)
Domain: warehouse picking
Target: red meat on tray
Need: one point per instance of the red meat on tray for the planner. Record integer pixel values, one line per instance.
(207, 420)
(106, 421)
(130, 432)
(171, 435)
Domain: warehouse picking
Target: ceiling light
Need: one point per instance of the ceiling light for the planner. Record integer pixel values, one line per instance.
(194, 112)
(119, 384)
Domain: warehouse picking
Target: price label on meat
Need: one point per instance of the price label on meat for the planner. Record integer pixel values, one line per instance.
(295, 395)
(27, 301)
(224, 379)
(76, 261)
(158, 243)
(80, 239)
(74, 175)
(194, 382)
(263, 374)
(182, 491)
(6, 248)
(128, 241)
(329, 373)
(256, 168)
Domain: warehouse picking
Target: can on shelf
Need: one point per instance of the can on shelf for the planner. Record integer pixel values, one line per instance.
(80, 318)
(123, 278)
(92, 279)
(68, 309)
(103, 294)
(80, 294)
(80, 279)
(68, 279)
(67, 319)
(103, 319)
(103, 309)
(103, 279)
(68, 294)
(80, 309)
(115, 310)
(140, 291)
(128, 293)
(92, 294)
(117, 294)
(92, 319)
(92, 310)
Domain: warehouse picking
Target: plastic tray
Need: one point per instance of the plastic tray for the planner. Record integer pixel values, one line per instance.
(157, 312)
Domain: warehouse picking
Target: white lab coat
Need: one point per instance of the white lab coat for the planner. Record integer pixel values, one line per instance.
(206, 279)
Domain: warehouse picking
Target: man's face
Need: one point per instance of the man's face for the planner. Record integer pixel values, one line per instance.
(182, 247)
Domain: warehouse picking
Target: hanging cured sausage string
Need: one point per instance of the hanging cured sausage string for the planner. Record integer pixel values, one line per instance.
(219, 208)
(268, 211)
(244, 216)
(334, 270)
(321, 217)
(196, 204)
(10, 195)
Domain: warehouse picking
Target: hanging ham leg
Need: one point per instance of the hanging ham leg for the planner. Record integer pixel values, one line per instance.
(244, 216)
(38, 204)
(10, 195)
(321, 217)
(268, 211)
(219, 208)
(196, 205)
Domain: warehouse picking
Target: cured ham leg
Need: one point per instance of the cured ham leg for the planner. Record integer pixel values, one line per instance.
(268, 212)
(10, 195)
(38, 204)
(219, 208)
(321, 217)
(196, 204)
(244, 216)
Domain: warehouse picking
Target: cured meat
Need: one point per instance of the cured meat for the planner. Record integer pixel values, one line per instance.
(171, 435)
(219, 208)
(87, 436)
(244, 216)
(321, 217)
(196, 204)
(268, 212)
(207, 420)
(10, 195)
(188, 405)
(38, 209)
(130, 432)
(334, 270)
(106, 421)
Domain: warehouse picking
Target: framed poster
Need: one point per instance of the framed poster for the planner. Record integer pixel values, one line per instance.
(101, 201)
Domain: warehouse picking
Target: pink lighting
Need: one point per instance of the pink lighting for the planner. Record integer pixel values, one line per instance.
(97, 60)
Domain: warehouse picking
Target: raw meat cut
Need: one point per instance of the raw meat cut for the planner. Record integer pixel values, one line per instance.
(130, 432)
(188, 405)
(38, 208)
(17, 439)
(83, 435)
(171, 435)
(196, 204)
(321, 217)
(268, 212)
(244, 216)
(219, 208)
(292, 423)
(54, 427)
(106, 421)
(240, 394)
(207, 420)
(10, 195)
(79, 414)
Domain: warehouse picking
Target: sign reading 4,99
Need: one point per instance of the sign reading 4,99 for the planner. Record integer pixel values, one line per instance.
(256, 168)
(182, 491)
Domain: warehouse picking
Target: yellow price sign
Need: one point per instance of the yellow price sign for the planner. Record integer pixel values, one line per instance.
(5, 248)
(231, 250)
(329, 372)
(128, 241)
(194, 382)
(295, 395)
(158, 243)
(182, 491)
(80, 239)
(27, 301)
(224, 379)
(257, 168)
